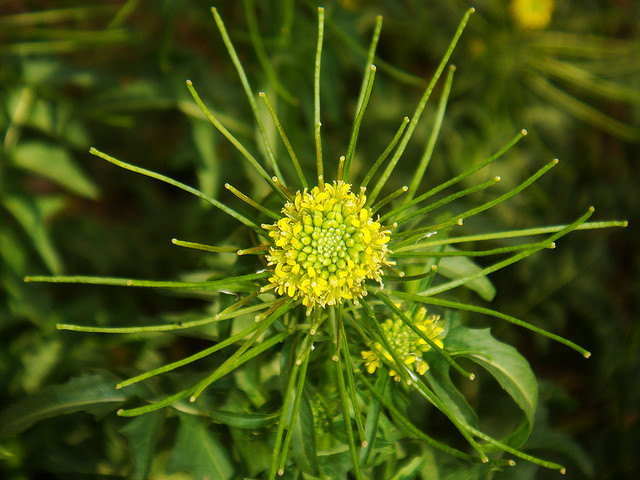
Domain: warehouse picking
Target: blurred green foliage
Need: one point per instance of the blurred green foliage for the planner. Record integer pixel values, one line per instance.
(112, 74)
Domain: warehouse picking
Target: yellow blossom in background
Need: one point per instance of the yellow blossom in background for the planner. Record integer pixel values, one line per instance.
(350, 5)
(407, 345)
(326, 246)
(532, 14)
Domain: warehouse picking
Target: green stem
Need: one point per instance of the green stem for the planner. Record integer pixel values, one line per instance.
(421, 105)
(229, 136)
(511, 234)
(284, 138)
(362, 106)
(435, 131)
(247, 90)
(460, 177)
(316, 99)
(385, 153)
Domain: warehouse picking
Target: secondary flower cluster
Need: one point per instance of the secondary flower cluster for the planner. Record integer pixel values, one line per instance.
(407, 345)
(326, 246)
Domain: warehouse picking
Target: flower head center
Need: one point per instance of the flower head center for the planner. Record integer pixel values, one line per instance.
(326, 246)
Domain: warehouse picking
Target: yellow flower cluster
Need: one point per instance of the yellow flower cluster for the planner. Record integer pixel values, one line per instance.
(532, 14)
(326, 246)
(406, 344)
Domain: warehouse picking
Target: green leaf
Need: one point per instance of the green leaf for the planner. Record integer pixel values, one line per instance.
(143, 433)
(199, 452)
(92, 393)
(244, 420)
(208, 169)
(304, 439)
(255, 452)
(504, 363)
(460, 267)
(410, 470)
(440, 381)
(30, 216)
(55, 163)
(335, 463)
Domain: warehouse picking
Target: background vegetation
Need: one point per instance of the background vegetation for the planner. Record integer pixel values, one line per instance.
(111, 75)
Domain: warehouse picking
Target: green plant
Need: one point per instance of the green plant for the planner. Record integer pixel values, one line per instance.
(327, 327)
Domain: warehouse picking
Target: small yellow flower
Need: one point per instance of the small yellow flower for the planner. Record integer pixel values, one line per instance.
(326, 246)
(406, 344)
(532, 14)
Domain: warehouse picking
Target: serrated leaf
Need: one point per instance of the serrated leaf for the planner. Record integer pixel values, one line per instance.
(504, 363)
(143, 434)
(199, 452)
(55, 163)
(304, 439)
(459, 267)
(92, 393)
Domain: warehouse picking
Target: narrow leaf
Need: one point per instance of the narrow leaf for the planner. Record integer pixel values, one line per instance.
(90, 393)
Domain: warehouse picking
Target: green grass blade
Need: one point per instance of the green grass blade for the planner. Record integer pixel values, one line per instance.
(389, 69)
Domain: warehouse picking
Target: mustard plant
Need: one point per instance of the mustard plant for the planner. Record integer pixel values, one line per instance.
(350, 285)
